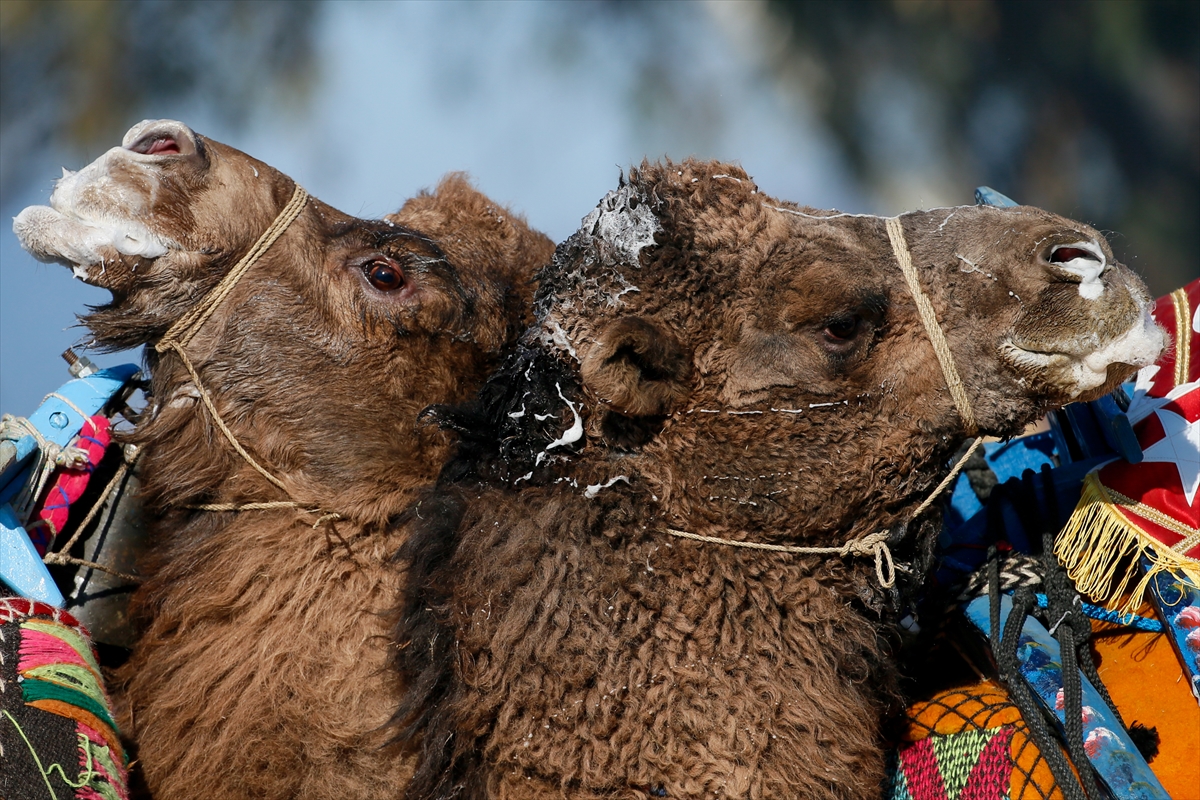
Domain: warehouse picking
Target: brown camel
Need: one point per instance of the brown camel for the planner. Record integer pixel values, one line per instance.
(260, 668)
(708, 361)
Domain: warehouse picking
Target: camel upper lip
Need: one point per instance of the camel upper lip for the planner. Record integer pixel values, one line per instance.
(1139, 346)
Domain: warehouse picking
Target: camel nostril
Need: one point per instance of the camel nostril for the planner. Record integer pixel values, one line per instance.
(1082, 263)
(160, 138)
(156, 145)
(1062, 255)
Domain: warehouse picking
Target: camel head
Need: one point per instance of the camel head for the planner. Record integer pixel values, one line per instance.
(764, 366)
(341, 331)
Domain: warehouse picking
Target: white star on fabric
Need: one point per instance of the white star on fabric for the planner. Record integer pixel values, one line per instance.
(1181, 447)
(1142, 404)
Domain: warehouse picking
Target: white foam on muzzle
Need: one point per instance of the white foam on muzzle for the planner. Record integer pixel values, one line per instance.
(91, 214)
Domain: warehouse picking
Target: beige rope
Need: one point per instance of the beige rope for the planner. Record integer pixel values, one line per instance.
(330, 516)
(122, 471)
(268, 506)
(941, 487)
(876, 543)
(179, 334)
(66, 402)
(187, 325)
(900, 247)
(62, 555)
(872, 544)
(15, 429)
(216, 416)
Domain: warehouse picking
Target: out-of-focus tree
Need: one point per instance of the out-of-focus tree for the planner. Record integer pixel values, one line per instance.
(73, 72)
(1087, 107)
(1090, 108)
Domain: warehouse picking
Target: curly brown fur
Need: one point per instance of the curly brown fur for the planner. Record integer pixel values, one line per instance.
(261, 666)
(558, 642)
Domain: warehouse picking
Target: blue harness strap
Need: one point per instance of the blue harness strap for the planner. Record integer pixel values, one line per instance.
(1109, 749)
(57, 421)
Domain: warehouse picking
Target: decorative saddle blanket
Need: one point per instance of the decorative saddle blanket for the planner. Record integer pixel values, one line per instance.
(57, 735)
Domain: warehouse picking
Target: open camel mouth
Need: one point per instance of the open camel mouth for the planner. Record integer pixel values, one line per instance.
(156, 146)
(99, 215)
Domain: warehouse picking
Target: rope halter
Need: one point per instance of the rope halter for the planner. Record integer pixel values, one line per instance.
(179, 335)
(938, 339)
(875, 544)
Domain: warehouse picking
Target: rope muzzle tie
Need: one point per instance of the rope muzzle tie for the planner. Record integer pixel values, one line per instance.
(875, 544)
(179, 335)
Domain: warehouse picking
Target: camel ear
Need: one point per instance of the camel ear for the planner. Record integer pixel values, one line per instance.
(638, 368)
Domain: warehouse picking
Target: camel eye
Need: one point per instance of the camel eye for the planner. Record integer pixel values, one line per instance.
(383, 275)
(1062, 255)
(842, 329)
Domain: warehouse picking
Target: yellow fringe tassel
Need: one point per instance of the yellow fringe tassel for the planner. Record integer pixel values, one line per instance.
(1099, 547)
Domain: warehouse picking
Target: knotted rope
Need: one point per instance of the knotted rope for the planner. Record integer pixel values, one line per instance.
(875, 544)
(872, 544)
(49, 457)
(181, 333)
(63, 555)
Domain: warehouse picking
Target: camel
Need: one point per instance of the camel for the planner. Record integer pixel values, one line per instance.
(260, 666)
(667, 556)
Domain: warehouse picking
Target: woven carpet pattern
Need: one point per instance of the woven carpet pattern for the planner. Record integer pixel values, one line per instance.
(954, 743)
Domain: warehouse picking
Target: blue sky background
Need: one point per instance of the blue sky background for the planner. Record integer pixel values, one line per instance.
(405, 93)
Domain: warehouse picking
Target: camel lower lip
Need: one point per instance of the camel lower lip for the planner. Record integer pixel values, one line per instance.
(1078, 372)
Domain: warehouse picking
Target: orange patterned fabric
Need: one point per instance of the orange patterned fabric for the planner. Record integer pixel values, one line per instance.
(1146, 682)
(985, 706)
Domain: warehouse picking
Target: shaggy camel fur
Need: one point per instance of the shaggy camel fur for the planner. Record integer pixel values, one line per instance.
(261, 669)
(711, 360)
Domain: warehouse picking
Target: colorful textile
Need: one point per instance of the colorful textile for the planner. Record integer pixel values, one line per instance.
(975, 742)
(1149, 686)
(1152, 508)
(972, 765)
(1107, 745)
(70, 482)
(57, 736)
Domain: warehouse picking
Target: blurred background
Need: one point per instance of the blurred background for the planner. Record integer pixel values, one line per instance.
(1090, 109)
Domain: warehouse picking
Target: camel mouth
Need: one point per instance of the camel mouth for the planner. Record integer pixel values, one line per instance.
(1079, 371)
(86, 242)
(156, 146)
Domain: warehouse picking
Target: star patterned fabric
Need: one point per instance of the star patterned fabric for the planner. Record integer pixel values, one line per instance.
(1151, 508)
